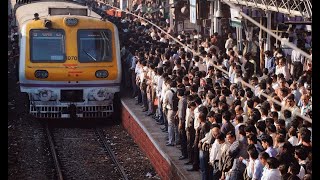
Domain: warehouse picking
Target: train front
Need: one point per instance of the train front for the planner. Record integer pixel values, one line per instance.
(70, 66)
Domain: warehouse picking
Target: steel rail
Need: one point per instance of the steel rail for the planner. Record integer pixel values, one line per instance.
(111, 153)
(53, 152)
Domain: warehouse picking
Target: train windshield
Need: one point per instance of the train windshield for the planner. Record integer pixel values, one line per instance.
(94, 45)
(47, 45)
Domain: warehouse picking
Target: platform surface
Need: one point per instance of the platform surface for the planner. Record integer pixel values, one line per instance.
(170, 153)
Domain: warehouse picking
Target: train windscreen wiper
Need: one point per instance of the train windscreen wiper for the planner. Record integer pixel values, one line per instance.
(89, 55)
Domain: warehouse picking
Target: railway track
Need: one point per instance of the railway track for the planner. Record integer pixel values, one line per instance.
(110, 152)
(82, 154)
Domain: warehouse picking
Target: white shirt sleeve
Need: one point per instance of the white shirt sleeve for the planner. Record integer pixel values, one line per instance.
(207, 138)
(213, 152)
(196, 118)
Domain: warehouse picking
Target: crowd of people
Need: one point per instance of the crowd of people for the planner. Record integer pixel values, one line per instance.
(225, 129)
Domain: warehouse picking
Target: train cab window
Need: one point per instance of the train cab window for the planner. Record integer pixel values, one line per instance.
(94, 45)
(47, 45)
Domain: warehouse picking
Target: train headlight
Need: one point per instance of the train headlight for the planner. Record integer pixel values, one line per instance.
(45, 95)
(102, 74)
(100, 94)
(41, 74)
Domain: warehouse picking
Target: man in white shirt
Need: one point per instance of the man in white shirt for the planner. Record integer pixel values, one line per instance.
(200, 64)
(263, 156)
(239, 111)
(301, 155)
(196, 113)
(273, 172)
(160, 80)
(297, 62)
(238, 121)
(229, 43)
(283, 69)
(254, 167)
(164, 89)
(218, 147)
(168, 103)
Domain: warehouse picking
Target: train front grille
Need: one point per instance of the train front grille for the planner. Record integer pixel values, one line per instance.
(59, 111)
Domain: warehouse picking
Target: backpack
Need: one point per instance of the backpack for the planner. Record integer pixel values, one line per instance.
(175, 101)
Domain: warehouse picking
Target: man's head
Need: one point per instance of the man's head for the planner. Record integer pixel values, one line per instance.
(238, 109)
(253, 153)
(231, 137)
(263, 156)
(221, 138)
(272, 163)
(305, 99)
(210, 116)
(239, 119)
(267, 141)
(226, 116)
(215, 130)
(252, 139)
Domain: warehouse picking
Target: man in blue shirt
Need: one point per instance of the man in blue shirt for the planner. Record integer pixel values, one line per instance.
(267, 144)
(269, 62)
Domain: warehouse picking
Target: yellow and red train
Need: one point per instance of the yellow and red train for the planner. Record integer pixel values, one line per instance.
(69, 61)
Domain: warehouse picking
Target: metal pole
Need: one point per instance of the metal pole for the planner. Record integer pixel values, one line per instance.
(211, 17)
(239, 38)
(215, 19)
(171, 15)
(268, 42)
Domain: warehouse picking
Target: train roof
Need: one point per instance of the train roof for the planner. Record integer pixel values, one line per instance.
(26, 12)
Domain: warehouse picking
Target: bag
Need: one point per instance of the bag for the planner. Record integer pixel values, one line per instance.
(175, 101)
(245, 175)
(155, 102)
(216, 171)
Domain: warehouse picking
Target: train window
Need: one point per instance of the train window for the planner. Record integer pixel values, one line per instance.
(94, 45)
(47, 45)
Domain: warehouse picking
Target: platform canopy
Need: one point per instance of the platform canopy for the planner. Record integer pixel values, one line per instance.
(292, 8)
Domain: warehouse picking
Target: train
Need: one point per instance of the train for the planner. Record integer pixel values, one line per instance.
(69, 63)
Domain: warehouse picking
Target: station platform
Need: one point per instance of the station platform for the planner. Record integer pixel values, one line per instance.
(152, 141)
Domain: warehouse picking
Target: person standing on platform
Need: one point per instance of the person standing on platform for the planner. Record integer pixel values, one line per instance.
(203, 156)
(269, 62)
(190, 129)
(219, 147)
(182, 107)
(297, 62)
(229, 43)
(171, 113)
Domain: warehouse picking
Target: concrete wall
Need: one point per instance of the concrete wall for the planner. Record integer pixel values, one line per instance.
(162, 165)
